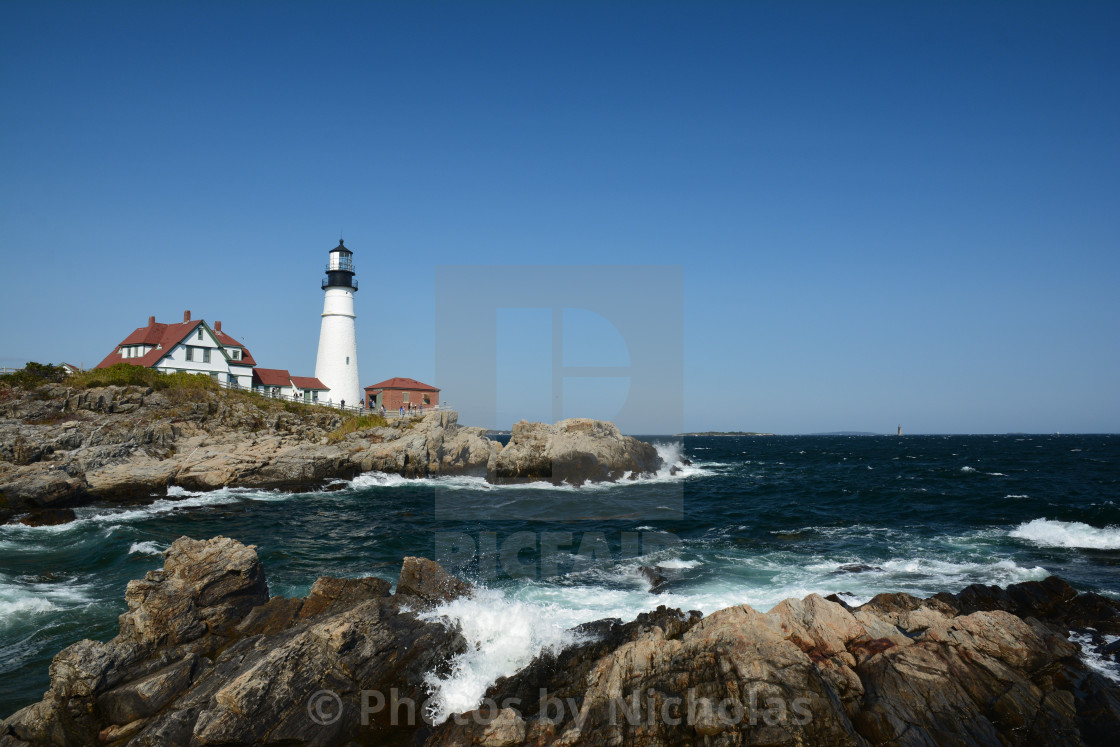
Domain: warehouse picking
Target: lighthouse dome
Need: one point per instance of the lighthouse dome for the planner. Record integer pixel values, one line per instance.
(340, 268)
(341, 258)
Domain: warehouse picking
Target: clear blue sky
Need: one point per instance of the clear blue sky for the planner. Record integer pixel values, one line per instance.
(884, 213)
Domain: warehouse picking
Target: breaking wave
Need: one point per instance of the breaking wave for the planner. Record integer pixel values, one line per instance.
(1050, 533)
(503, 635)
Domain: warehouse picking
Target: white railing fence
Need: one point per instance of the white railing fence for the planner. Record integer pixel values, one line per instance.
(298, 398)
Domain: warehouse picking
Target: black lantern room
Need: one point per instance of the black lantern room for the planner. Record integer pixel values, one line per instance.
(340, 269)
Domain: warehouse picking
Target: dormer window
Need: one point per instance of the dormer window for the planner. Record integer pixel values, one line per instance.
(235, 354)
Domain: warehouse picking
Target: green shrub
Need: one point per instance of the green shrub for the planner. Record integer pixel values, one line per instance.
(126, 374)
(34, 375)
(357, 423)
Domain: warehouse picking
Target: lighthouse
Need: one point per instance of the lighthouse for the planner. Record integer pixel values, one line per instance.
(337, 363)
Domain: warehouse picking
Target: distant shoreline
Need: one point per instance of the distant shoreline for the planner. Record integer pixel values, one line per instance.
(724, 433)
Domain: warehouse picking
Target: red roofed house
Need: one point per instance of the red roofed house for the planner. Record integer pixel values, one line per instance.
(276, 382)
(190, 346)
(392, 394)
(308, 388)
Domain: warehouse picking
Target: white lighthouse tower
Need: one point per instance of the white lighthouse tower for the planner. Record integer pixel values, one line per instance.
(337, 362)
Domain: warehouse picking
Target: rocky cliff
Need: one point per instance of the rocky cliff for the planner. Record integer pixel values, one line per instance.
(203, 657)
(60, 447)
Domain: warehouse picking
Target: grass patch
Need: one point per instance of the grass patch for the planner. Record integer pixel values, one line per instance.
(126, 374)
(357, 423)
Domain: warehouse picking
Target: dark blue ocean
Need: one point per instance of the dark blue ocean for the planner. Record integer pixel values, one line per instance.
(750, 520)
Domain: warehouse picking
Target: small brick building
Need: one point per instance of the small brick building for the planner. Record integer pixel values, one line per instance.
(397, 392)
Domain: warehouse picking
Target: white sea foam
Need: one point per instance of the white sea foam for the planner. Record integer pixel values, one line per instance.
(145, 548)
(1049, 533)
(1094, 660)
(672, 470)
(940, 575)
(389, 480)
(968, 470)
(20, 597)
(503, 635)
(111, 518)
(1017, 495)
(677, 564)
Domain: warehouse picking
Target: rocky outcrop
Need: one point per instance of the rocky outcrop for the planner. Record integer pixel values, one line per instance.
(572, 451)
(434, 445)
(204, 657)
(427, 581)
(60, 449)
(896, 671)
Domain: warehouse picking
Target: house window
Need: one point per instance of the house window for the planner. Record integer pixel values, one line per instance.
(347, 360)
(214, 375)
(427, 399)
(190, 353)
(200, 333)
(404, 397)
(206, 355)
(235, 354)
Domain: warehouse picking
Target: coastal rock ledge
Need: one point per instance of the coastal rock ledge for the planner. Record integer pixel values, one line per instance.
(204, 657)
(61, 448)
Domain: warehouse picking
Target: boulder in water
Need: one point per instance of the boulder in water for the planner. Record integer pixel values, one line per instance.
(572, 451)
(656, 578)
(48, 517)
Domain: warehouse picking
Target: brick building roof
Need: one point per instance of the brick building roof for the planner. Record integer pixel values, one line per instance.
(271, 377)
(399, 382)
(309, 382)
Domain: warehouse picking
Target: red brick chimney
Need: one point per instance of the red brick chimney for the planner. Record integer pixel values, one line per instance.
(187, 315)
(217, 326)
(151, 321)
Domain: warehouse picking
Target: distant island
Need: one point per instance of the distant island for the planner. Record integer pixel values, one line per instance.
(725, 433)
